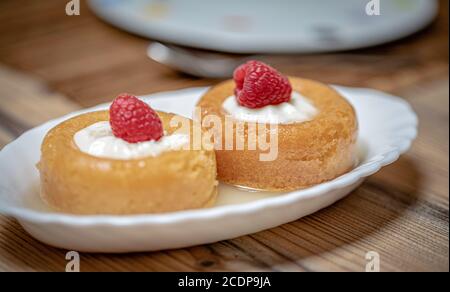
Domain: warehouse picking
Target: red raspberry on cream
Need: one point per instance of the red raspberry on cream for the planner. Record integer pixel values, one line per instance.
(258, 85)
(133, 120)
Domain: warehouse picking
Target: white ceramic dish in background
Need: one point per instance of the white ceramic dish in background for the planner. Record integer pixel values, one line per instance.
(254, 26)
(388, 125)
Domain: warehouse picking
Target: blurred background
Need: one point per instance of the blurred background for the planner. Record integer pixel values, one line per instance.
(54, 61)
(89, 61)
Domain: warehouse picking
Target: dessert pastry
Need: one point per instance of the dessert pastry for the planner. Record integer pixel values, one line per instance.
(129, 160)
(316, 129)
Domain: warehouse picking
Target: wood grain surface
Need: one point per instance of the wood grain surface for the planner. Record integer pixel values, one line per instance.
(52, 64)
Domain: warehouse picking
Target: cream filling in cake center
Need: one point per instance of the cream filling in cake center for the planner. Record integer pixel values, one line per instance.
(298, 109)
(98, 140)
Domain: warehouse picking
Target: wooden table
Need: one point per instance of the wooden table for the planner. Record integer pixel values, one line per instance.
(51, 64)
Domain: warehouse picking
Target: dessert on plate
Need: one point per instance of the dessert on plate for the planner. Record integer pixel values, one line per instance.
(128, 160)
(316, 129)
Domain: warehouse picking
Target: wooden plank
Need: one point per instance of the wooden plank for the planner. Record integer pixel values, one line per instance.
(27, 102)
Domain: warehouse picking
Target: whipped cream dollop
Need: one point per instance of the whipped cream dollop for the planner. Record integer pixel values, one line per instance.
(298, 109)
(98, 140)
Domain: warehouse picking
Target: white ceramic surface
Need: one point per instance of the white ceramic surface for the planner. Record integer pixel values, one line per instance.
(388, 126)
(273, 26)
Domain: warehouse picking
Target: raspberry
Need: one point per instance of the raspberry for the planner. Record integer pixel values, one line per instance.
(133, 120)
(258, 85)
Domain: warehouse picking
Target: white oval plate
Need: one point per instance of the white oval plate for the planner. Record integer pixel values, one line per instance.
(388, 126)
(255, 26)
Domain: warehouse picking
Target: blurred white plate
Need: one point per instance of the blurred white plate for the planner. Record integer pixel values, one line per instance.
(388, 125)
(251, 26)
